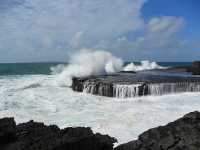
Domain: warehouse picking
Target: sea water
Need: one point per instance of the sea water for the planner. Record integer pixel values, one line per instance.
(33, 94)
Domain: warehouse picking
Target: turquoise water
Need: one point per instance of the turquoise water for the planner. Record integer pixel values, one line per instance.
(45, 68)
(26, 68)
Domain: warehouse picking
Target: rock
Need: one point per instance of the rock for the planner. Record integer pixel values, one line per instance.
(178, 69)
(196, 64)
(196, 68)
(7, 130)
(183, 134)
(137, 84)
(37, 136)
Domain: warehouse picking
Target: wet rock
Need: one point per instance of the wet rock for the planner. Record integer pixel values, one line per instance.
(137, 84)
(183, 134)
(178, 69)
(37, 136)
(196, 68)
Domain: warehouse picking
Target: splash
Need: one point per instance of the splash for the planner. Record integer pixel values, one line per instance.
(145, 65)
(86, 63)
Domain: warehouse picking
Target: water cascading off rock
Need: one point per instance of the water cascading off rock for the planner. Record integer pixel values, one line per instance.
(127, 85)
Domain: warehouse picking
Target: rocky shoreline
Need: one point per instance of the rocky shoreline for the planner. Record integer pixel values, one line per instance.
(182, 134)
(133, 84)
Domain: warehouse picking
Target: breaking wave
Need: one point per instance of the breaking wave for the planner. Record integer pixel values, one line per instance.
(145, 65)
(99, 62)
(86, 63)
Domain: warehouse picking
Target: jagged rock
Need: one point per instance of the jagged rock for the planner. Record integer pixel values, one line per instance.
(7, 130)
(37, 136)
(183, 134)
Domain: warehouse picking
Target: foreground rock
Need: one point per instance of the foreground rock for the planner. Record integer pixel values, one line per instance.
(183, 134)
(37, 136)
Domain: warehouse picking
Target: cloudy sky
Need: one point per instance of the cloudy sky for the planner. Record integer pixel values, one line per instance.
(48, 30)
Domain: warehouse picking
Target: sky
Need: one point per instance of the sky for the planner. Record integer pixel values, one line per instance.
(157, 30)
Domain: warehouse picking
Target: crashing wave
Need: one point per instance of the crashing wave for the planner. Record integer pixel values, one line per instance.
(145, 65)
(98, 62)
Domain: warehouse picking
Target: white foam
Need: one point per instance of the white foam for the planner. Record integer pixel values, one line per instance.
(145, 65)
(124, 119)
(88, 62)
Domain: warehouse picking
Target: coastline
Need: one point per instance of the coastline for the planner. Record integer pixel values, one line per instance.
(183, 134)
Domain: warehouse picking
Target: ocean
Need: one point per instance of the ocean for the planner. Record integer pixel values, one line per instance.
(45, 68)
(35, 91)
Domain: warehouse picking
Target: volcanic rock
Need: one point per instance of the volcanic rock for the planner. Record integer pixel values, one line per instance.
(7, 130)
(183, 134)
(37, 136)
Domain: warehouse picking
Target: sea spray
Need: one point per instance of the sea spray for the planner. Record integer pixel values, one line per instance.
(145, 65)
(86, 63)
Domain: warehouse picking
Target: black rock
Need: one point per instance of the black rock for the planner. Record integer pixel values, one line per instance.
(37, 136)
(7, 130)
(183, 134)
(105, 85)
(196, 68)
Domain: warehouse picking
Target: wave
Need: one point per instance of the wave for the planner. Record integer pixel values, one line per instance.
(31, 86)
(51, 104)
(86, 63)
(89, 62)
(145, 65)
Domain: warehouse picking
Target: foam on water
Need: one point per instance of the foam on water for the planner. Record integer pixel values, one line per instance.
(145, 65)
(124, 119)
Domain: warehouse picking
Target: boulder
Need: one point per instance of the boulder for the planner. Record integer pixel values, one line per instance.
(37, 136)
(183, 134)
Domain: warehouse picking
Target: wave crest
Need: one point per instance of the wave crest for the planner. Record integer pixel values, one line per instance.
(145, 65)
(86, 63)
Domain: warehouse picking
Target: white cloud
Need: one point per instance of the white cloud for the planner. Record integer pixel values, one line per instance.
(48, 30)
(159, 36)
(48, 24)
(165, 24)
(161, 32)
